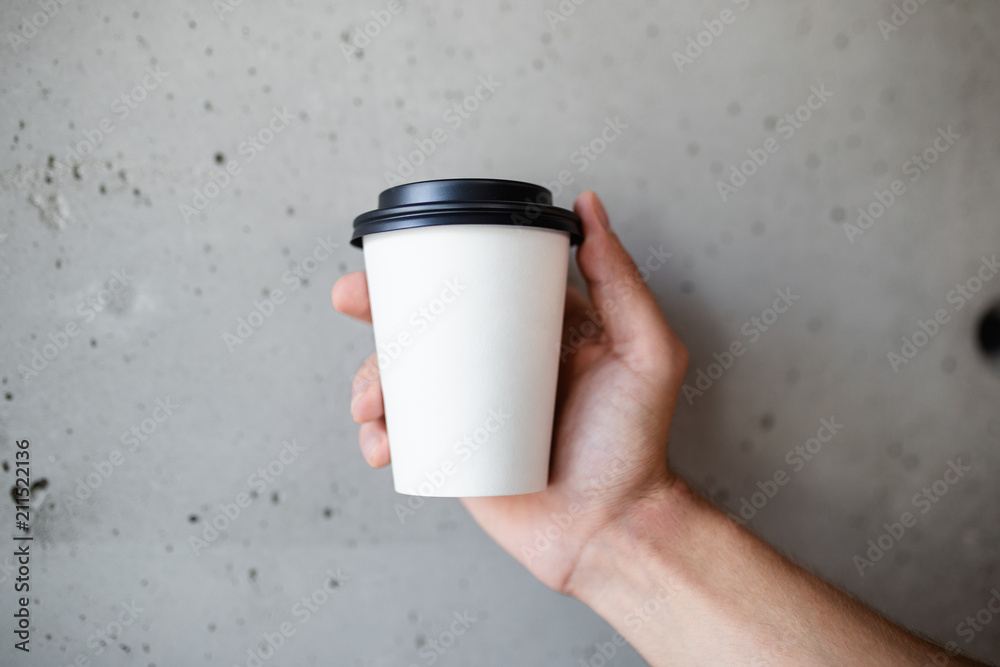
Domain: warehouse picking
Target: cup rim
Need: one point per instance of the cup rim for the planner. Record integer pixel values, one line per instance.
(466, 201)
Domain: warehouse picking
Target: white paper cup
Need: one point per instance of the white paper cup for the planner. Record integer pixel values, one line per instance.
(468, 322)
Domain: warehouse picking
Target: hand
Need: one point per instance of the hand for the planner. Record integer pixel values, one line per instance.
(619, 380)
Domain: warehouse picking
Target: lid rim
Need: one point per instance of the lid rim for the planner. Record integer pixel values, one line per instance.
(466, 201)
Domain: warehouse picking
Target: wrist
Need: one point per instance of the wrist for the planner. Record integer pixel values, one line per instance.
(631, 559)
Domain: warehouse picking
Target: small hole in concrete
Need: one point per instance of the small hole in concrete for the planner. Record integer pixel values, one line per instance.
(989, 333)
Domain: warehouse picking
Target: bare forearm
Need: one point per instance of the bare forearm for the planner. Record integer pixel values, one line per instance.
(714, 594)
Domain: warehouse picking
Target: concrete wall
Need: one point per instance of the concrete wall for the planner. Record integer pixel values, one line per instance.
(146, 145)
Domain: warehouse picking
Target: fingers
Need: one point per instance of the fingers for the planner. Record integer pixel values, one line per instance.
(350, 296)
(374, 441)
(581, 324)
(366, 392)
(632, 318)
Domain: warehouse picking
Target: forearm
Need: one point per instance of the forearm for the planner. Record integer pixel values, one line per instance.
(712, 594)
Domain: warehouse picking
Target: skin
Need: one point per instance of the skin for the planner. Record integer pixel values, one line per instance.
(680, 581)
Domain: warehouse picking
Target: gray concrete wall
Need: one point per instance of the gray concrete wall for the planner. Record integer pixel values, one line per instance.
(189, 278)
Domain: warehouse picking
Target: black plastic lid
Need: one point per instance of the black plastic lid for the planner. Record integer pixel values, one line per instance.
(466, 201)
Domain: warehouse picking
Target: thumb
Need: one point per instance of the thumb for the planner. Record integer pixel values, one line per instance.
(632, 317)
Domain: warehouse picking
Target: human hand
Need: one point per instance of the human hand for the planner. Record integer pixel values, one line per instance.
(619, 380)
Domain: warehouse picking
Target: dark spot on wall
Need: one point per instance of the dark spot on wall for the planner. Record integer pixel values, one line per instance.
(327, 512)
(252, 574)
(274, 498)
(103, 190)
(6, 466)
(193, 518)
(219, 158)
(989, 333)
(76, 172)
(93, 342)
(40, 484)
(9, 396)
(766, 421)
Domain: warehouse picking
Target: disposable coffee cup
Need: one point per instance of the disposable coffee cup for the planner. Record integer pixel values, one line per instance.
(467, 282)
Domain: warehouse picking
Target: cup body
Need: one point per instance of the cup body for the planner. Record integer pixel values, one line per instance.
(468, 325)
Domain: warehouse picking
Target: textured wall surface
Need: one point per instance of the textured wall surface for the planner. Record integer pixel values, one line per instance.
(117, 116)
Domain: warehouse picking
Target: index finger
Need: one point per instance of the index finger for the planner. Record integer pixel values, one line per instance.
(350, 296)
